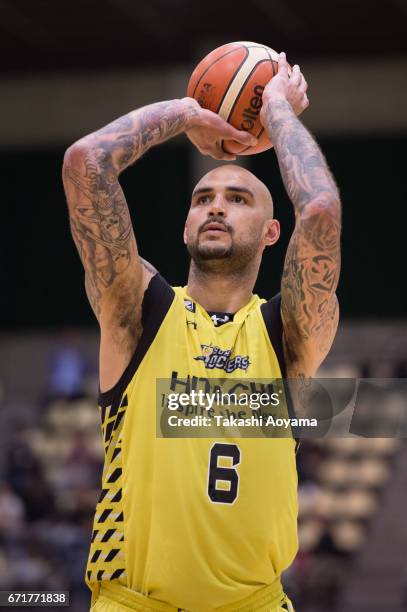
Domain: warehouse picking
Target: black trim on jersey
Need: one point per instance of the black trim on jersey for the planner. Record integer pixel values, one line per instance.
(157, 300)
(274, 324)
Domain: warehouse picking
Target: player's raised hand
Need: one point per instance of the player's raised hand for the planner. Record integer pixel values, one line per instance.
(207, 130)
(291, 86)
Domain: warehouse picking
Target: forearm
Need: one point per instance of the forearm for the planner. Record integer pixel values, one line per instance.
(303, 167)
(120, 143)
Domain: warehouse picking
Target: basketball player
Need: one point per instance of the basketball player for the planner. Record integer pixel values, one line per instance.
(169, 534)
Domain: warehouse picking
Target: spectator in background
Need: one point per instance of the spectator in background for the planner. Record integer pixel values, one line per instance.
(68, 369)
(11, 509)
(81, 469)
(309, 458)
(24, 473)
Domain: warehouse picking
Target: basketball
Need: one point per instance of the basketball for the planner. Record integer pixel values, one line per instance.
(230, 81)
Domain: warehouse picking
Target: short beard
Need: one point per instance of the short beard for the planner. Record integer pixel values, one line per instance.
(214, 258)
(209, 251)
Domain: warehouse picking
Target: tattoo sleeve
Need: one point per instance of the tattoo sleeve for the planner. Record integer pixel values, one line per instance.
(99, 216)
(311, 269)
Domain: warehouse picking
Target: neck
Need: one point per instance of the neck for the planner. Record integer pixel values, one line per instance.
(218, 290)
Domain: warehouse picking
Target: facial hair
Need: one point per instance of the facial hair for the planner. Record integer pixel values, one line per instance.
(215, 257)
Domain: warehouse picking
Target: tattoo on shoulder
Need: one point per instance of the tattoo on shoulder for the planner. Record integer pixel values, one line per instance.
(100, 224)
(310, 277)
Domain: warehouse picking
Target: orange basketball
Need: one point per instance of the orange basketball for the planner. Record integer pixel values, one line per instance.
(230, 81)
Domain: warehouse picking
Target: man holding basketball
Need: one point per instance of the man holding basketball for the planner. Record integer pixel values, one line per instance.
(201, 524)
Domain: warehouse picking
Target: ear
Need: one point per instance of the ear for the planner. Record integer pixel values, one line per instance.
(185, 233)
(272, 232)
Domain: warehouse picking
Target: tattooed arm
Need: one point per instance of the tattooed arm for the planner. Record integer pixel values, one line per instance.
(309, 305)
(115, 276)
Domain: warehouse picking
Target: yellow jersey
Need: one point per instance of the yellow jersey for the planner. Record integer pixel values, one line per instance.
(164, 525)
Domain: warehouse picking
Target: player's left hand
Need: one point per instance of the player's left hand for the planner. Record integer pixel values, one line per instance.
(206, 130)
(289, 86)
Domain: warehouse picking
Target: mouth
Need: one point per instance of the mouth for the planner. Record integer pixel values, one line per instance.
(214, 227)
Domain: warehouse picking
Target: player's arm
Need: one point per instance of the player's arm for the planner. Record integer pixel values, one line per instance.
(115, 275)
(309, 306)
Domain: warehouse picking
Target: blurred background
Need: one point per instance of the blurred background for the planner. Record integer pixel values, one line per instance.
(69, 67)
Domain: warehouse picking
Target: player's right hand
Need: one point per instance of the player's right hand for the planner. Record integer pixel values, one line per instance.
(206, 130)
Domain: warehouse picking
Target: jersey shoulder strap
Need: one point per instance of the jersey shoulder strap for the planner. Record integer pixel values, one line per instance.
(271, 312)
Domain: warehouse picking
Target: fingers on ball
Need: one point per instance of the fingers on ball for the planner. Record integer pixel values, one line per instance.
(243, 137)
(282, 63)
(303, 84)
(296, 76)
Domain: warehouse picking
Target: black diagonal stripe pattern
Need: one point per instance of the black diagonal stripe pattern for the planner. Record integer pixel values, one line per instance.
(95, 556)
(105, 515)
(108, 535)
(118, 419)
(115, 475)
(103, 414)
(113, 410)
(103, 494)
(117, 497)
(108, 431)
(116, 452)
(106, 557)
(111, 555)
(116, 405)
(116, 574)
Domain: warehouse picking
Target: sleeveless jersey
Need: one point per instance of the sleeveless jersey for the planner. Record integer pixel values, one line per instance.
(156, 529)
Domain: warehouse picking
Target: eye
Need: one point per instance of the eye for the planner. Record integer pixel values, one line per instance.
(238, 199)
(203, 199)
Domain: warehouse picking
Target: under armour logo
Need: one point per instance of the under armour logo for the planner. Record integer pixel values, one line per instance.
(219, 320)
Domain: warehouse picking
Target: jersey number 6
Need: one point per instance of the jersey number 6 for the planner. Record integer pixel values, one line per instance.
(228, 476)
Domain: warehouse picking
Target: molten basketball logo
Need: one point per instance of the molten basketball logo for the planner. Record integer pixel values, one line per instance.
(250, 114)
(206, 95)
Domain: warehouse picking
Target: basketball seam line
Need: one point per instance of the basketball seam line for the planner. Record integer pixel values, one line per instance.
(231, 80)
(215, 62)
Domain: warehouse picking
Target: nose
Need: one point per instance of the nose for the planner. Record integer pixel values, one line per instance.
(217, 206)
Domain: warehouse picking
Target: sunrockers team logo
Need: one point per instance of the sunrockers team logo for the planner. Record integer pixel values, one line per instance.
(214, 357)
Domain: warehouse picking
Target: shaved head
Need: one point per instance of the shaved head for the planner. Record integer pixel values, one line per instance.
(239, 176)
